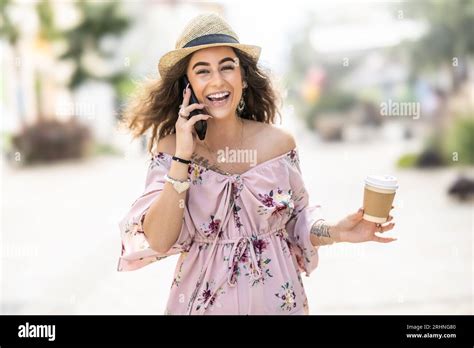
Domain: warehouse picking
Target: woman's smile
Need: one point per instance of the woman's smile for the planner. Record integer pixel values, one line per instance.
(219, 101)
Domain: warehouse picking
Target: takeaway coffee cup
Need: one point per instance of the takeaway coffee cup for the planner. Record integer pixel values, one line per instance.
(379, 192)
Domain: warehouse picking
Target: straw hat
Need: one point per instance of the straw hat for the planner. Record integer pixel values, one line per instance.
(205, 30)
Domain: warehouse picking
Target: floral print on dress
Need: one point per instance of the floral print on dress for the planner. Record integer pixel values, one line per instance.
(285, 242)
(278, 202)
(203, 246)
(177, 277)
(287, 297)
(208, 296)
(133, 228)
(211, 228)
(242, 260)
(297, 198)
(260, 245)
(268, 241)
(307, 252)
(157, 160)
(240, 256)
(237, 220)
(195, 172)
(292, 158)
(237, 186)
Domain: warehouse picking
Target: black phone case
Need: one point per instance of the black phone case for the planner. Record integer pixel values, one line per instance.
(201, 125)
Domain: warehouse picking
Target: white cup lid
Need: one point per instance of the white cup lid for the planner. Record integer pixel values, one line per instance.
(382, 181)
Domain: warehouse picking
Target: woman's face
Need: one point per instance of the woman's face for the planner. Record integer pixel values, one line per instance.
(214, 70)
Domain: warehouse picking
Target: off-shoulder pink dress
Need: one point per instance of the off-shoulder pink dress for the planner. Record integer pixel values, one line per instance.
(244, 241)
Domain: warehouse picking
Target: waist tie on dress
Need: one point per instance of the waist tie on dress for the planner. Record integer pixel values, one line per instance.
(229, 202)
(239, 248)
(243, 244)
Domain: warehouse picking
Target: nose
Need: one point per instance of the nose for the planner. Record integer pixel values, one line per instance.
(216, 80)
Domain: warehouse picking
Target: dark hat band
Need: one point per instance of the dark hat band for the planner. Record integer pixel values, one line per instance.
(211, 39)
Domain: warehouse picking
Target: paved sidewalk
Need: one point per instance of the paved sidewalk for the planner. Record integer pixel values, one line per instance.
(61, 239)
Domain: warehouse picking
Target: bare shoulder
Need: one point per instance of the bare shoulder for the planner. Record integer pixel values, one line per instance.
(281, 138)
(167, 144)
(273, 141)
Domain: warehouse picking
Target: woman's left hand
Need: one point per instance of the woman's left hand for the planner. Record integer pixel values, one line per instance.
(354, 229)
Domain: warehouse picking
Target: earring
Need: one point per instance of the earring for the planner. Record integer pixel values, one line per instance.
(241, 105)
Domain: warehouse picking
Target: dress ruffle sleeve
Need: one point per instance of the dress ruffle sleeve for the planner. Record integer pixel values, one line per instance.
(136, 251)
(302, 219)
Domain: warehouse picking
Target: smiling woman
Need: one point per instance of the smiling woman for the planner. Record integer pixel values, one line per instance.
(244, 231)
(220, 102)
(154, 106)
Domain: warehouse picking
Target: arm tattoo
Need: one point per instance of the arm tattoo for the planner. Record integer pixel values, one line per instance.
(204, 162)
(320, 229)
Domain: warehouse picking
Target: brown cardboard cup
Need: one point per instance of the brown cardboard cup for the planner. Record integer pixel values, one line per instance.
(379, 193)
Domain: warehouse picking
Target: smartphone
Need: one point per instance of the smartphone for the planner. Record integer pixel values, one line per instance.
(201, 125)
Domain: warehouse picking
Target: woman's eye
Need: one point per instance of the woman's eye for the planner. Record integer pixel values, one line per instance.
(229, 67)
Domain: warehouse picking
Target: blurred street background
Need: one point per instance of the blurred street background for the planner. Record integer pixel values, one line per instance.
(369, 88)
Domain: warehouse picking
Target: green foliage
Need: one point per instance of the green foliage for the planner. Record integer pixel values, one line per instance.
(459, 141)
(448, 36)
(105, 149)
(449, 28)
(47, 28)
(408, 160)
(6, 141)
(454, 147)
(123, 84)
(101, 19)
(335, 101)
(7, 29)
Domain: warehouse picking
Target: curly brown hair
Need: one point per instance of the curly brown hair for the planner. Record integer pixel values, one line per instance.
(155, 104)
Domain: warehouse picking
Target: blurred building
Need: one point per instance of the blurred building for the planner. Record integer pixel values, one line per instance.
(35, 80)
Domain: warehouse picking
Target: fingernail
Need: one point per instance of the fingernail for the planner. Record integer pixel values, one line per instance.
(187, 86)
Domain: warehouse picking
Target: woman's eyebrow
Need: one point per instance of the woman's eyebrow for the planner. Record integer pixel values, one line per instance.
(220, 62)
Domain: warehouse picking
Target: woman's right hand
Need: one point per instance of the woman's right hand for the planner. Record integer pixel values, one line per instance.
(185, 132)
